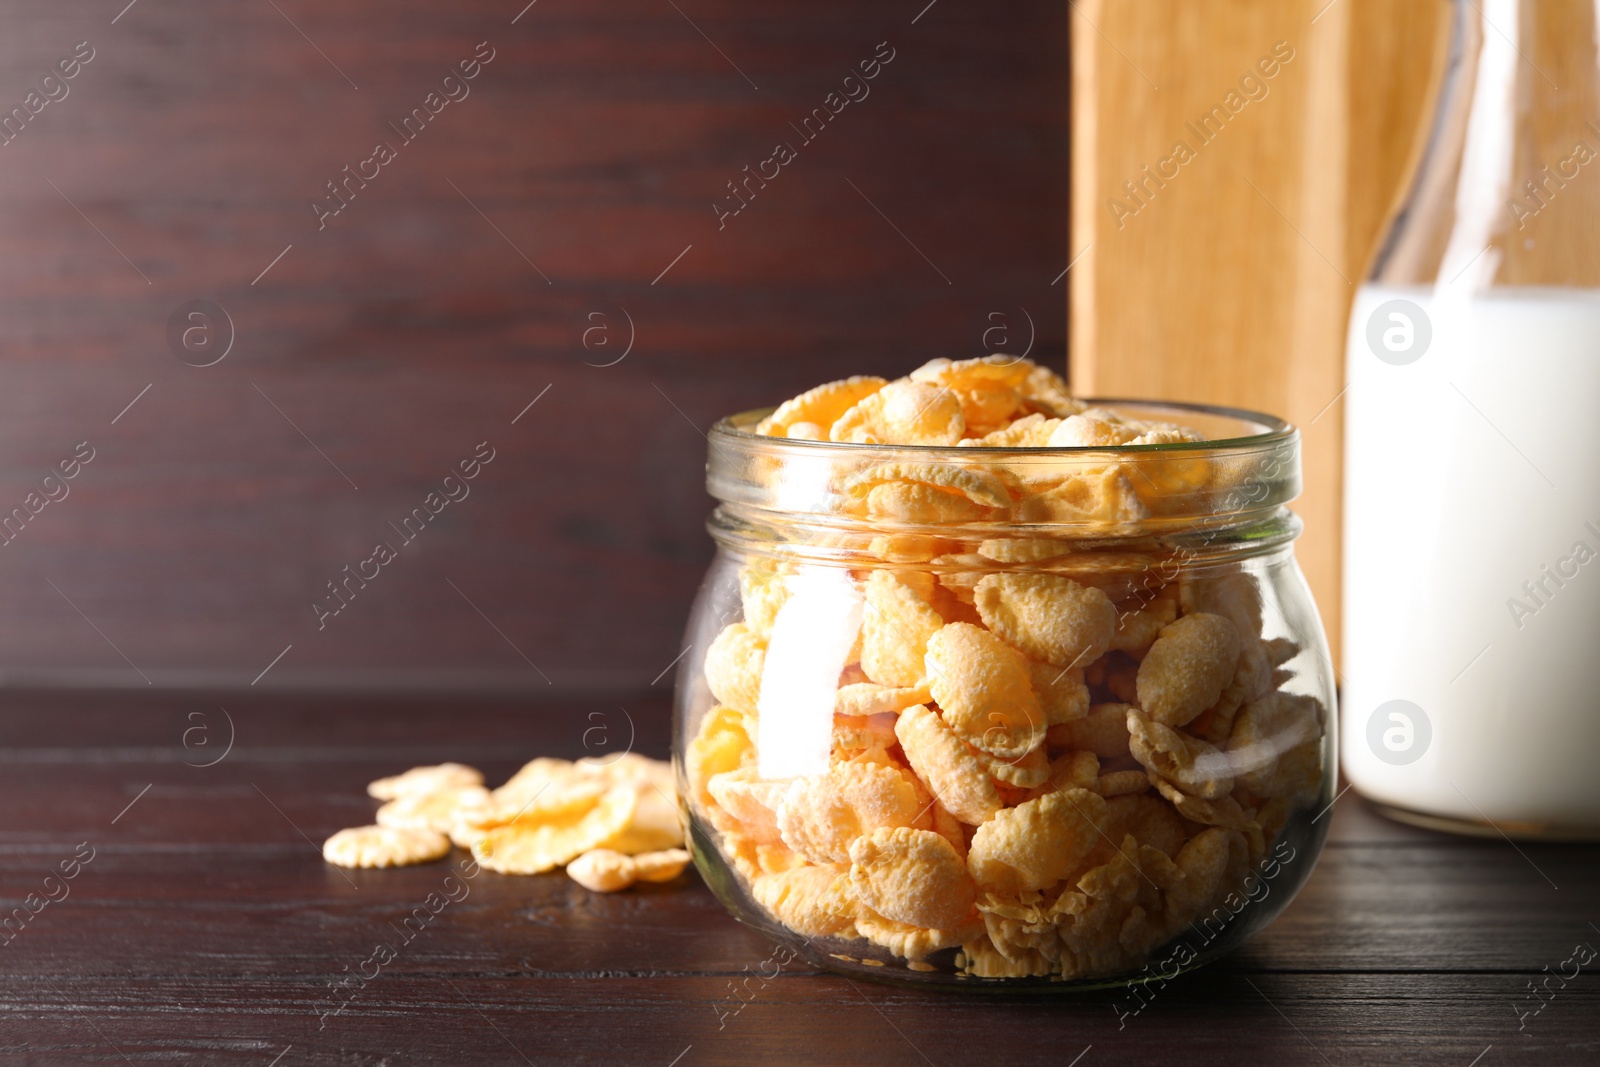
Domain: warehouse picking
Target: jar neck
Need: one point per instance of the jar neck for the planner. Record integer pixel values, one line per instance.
(1215, 539)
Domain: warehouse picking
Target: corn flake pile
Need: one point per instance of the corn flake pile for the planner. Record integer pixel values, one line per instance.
(1050, 765)
(610, 821)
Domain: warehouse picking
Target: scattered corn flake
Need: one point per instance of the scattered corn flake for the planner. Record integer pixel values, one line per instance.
(819, 407)
(437, 811)
(733, 666)
(982, 687)
(947, 766)
(524, 848)
(1037, 843)
(425, 780)
(656, 824)
(1048, 617)
(384, 846)
(902, 412)
(1188, 667)
(896, 624)
(604, 870)
(911, 876)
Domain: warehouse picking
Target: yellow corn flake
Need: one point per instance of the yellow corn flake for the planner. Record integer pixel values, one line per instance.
(820, 815)
(384, 846)
(1024, 772)
(628, 767)
(869, 698)
(907, 547)
(896, 624)
(753, 858)
(1096, 428)
(911, 876)
(1228, 592)
(1037, 843)
(750, 803)
(1097, 498)
(603, 870)
(1139, 625)
(1030, 431)
(912, 502)
(978, 486)
(1073, 770)
(902, 413)
(1204, 865)
(820, 407)
(1276, 744)
(1225, 812)
(942, 760)
(1148, 818)
(425, 780)
(998, 368)
(811, 901)
(719, 747)
(523, 848)
(1104, 731)
(1023, 549)
(655, 826)
(733, 666)
(1048, 617)
(536, 775)
(1189, 763)
(437, 811)
(1060, 690)
(859, 735)
(914, 943)
(982, 688)
(762, 593)
(1045, 391)
(1187, 668)
(1121, 783)
(981, 959)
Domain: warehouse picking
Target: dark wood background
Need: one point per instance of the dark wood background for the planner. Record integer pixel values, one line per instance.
(189, 551)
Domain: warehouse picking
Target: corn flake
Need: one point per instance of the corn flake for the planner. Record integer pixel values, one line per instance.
(1048, 617)
(425, 780)
(902, 413)
(384, 846)
(1037, 843)
(819, 407)
(1187, 668)
(942, 760)
(911, 876)
(982, 688)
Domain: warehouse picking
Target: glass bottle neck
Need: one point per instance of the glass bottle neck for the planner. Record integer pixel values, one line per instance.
(1508, 191)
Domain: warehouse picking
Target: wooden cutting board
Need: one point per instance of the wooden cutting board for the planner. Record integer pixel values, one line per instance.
(1234, 163)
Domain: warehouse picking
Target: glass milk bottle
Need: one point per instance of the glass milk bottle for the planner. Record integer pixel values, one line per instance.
(1471, 669)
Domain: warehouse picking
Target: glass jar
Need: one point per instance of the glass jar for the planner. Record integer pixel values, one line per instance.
(1007, 716)
(1472, 495)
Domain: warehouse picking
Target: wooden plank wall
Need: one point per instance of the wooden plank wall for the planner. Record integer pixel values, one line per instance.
(453, 289)
(1229, 280)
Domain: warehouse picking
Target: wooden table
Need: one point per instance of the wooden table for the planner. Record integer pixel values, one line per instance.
(206, 928)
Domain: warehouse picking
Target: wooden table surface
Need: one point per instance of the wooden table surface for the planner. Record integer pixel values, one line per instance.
(204, 927)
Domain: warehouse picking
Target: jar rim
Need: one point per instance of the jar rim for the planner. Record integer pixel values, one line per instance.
(1272, 432)
(1244, 472)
